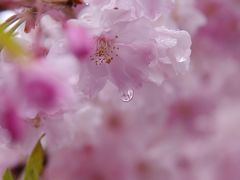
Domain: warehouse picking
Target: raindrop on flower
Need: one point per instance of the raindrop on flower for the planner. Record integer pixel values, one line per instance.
(181, 59)
(127, 96)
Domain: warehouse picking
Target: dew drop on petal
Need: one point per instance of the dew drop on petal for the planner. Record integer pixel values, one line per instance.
(181, 59)
(127, 96)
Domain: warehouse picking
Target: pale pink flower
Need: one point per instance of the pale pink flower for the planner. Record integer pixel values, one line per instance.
(112, 134)
(125, 48)
(178, 126)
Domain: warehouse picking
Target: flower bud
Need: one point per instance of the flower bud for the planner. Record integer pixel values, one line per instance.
(80, 43)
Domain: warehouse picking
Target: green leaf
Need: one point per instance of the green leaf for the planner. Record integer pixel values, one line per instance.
(35, 162)
(8, 42)
(7, 175)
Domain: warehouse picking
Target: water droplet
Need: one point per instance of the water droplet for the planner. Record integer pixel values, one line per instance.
(181, 59)
(127, 96)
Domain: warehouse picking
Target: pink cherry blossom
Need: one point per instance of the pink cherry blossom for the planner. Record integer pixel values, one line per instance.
(122, 89)
(124, 52)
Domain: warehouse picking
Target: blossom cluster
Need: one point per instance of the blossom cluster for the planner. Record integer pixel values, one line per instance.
(122, 89)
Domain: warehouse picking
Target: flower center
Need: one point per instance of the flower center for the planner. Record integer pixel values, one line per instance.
(105, 51)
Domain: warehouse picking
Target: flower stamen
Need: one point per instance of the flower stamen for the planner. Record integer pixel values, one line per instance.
(105, 51)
